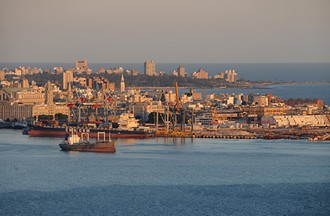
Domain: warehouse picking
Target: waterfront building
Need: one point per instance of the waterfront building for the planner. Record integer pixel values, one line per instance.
(265, 111)
(200, 74)
(231, 76)
(45, 109)
(219, 76)
(16, 111)
(21, 95)
(204, 118)
(49, 108)
(181, 71)
(150, 68)
(122, 83)
(296, 121)
(221, 116)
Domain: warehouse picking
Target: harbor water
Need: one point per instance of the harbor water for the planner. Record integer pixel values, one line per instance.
(165, 176)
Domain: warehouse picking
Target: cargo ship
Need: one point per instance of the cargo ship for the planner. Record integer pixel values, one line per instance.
(83, 144)
(44, 131)
(128, 128)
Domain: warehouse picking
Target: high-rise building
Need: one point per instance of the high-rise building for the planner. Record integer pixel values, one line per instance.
(150, 68)
(122, 83)
(182, 71)
(231, 76)
(67, 77)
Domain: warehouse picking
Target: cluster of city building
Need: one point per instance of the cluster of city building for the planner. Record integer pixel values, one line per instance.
(26, 101)
(228, 75)
(81, 67)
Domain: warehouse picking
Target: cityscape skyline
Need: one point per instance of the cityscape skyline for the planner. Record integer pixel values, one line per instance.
(168, 32)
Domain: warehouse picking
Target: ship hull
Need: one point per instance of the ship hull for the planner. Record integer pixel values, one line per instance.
(101, 148)
(39, 131)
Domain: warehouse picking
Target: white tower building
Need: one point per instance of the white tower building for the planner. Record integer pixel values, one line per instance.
(122, 83)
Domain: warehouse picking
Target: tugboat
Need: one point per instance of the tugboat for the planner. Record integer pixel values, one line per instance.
(76, 143)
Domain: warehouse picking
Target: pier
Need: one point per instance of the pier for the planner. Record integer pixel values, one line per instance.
(320, 134)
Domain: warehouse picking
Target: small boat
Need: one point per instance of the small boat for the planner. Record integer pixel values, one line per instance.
(83, 144)
(19, 125)
(25, 131)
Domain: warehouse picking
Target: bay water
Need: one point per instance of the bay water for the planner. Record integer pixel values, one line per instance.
(165, 176)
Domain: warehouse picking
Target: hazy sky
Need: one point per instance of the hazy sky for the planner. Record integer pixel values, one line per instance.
(168, 31)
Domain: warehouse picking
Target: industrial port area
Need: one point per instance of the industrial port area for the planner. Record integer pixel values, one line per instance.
(78, 98)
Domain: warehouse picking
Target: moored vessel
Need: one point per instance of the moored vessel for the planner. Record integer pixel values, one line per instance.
(83, 144)
(47, 131)
(128, 128)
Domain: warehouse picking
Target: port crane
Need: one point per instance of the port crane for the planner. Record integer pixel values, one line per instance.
(177, 113)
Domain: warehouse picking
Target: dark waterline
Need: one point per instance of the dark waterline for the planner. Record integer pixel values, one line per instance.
(165, 177)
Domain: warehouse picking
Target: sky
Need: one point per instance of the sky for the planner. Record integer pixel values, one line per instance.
(167, 31)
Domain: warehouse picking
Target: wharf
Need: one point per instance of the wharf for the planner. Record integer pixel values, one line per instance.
(255, 133)
(182, 134)
(226, 134)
